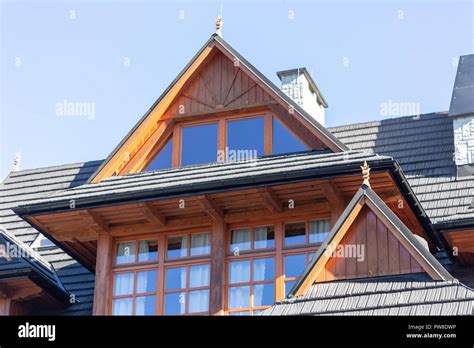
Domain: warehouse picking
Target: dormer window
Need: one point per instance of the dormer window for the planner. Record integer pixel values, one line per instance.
(199, 144)
(225, 138)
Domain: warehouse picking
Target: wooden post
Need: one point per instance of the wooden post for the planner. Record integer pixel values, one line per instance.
(4, 306)
(218, 251)
(103, 271)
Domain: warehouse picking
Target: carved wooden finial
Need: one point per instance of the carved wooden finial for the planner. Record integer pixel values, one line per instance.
(219, 23)
(365, 174)
(16, 162)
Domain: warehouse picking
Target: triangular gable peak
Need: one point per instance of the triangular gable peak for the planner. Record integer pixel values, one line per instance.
(369, 240)
(217, 81)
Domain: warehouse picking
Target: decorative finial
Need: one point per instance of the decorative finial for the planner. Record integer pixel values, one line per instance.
(365, 174)
(219, 23)
(16, 162)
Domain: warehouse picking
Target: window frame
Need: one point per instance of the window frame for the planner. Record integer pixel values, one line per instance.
(160, 265)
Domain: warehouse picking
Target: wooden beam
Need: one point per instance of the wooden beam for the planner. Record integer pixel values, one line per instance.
(211, 209)
(217, 277)
(335, 198)
(152, 214)
(103, 270)
(95, 220)
(270, 200)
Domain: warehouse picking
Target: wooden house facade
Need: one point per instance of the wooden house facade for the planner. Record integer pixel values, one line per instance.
(226, 199)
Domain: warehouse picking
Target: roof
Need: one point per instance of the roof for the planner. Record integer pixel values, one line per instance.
(423, 145)
(28, 186)
(17, 260)
(462, 101)
(256, 73)
(204, 179)
(394, 295)
(366, 195)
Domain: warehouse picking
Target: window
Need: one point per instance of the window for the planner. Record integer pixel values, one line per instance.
(185, 275)
(178, 246)
(296, 232)
(245, 138)
(199, 144)
(163, 159)
(251, 285)
(187, 290)
(293, 266)
(244, 239)
(135, 293)
(283, 140)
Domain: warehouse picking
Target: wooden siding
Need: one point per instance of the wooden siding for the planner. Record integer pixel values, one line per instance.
(382, 253)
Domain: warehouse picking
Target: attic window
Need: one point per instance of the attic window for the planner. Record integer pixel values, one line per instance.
(163, 160)
(199, 144)
(283, 139)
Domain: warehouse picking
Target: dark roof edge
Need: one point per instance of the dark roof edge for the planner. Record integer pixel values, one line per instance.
(454, 225)
(267, 180)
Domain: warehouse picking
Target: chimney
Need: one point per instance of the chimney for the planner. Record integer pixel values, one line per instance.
(461, 111)
(299, 86)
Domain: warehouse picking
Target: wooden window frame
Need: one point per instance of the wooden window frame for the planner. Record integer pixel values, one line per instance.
(160, 265)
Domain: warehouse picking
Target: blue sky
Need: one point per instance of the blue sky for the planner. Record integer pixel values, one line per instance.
(120, 55)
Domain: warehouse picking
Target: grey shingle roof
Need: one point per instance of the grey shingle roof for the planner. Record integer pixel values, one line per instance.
(423, 146)
(28, 186)
(395, 295)
(19, 260)
(203, 177)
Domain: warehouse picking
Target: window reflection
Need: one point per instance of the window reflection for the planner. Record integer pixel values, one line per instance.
(245, 139)
(284, 141)
(163, 160)
(199, 144)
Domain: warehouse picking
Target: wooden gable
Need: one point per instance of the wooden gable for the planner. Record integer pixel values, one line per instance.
(215, 83)
(369, 240)
(373, 250)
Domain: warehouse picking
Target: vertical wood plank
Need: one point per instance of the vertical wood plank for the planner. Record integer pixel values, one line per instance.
(5, 306)
(351, 263)
(382, 248)
(405, 266)
(415, 266)
(361, 239)
(370, 249)
(176, 151)
(393, 254)
(103, 270)
(217, 278)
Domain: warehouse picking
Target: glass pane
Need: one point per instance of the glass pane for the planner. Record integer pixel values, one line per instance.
(199, 144)
(239, 272)
(263, 294)
(310, 257)
(147, 250)
(295, 233)
(318, 231)
(245, 139)
(240, 240)
(176, 278)
(199, 276)
(123, 284)
(283, 140)
(146, 281)
(257, 312)
(198, 301)
(289, 286)
(263, 269)
(239, 297)
(122, 306)
(177, 246)
(294, 265)
(162, 159)
(200, 244)
(145, 305)
(125, 253)
(175, 303)
(263, 237)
